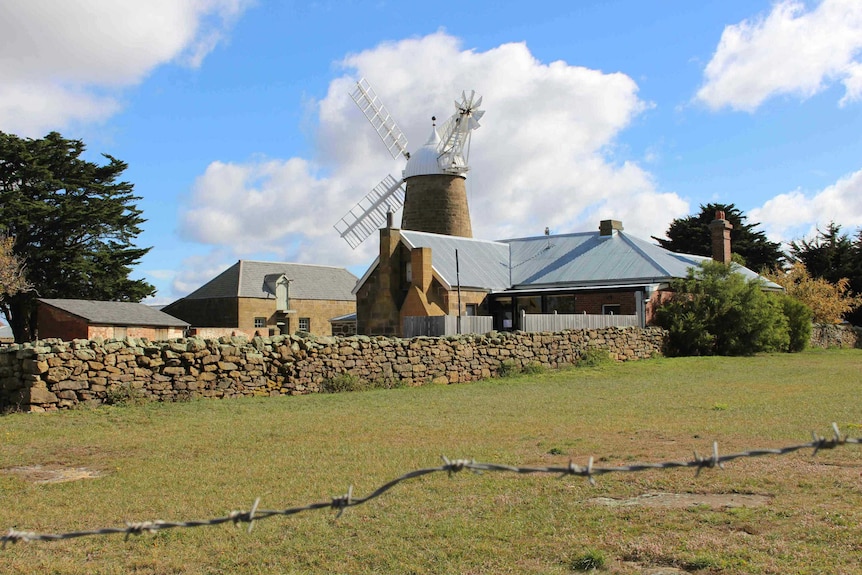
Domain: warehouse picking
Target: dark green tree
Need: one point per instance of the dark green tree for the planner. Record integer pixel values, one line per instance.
(73, 222)
(691, 235)
(833, 255)
(716, 311)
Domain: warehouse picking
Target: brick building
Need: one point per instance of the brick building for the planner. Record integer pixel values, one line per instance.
(602, 272)
(270, 298)
(70, 319)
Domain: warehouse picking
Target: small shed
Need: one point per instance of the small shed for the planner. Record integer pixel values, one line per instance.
(69, 319)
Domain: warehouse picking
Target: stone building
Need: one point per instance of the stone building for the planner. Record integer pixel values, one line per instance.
(270, 298)
(69, 319)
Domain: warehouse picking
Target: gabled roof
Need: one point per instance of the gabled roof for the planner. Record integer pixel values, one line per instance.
(591, 259)
(115, 312)
(572, 261)
(482, 264)
(253, 279)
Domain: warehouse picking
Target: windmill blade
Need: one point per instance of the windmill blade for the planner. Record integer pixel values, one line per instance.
(455, 136)
(391, 135)
(369, 214)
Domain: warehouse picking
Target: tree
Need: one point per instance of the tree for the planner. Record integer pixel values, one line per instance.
(835, 258)
(691, 235)
(828, 301)
(716, 311)
(73, 225)
(13, 280)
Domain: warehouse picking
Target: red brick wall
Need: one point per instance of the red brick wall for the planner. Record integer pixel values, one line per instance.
(592, 303)
(53, 322)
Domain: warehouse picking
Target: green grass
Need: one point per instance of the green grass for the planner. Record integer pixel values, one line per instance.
(203, 459)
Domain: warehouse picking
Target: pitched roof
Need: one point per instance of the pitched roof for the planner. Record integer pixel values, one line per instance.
(591, 259)
(115, 312)
(254, 279)
(578, 260)
(481, 263)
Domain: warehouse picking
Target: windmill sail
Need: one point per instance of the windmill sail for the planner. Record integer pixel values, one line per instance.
(369, 214)
(455, 135)
(378, 115)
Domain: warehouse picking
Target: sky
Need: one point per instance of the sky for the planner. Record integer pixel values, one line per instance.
(236, 121)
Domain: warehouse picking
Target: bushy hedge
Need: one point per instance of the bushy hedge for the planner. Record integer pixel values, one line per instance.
(716, 311)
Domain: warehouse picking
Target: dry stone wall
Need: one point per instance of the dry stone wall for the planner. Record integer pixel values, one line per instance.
(827, 335)
(51, 374)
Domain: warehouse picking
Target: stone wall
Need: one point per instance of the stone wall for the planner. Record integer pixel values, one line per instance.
(51, 374)
(827, 335)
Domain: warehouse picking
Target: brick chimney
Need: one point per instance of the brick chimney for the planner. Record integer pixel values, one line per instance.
(608, 227)
(720, 228)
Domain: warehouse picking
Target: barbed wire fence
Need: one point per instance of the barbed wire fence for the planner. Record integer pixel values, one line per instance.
(342, 502)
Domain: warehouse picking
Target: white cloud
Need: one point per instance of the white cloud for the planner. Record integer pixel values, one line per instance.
(795, 215)
(63, 62)
(543, 156)
(790, 51)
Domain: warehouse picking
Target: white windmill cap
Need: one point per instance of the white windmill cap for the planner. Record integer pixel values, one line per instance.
(423, 162)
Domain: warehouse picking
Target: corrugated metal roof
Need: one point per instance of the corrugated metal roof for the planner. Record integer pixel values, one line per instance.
(115, 312)
(482, 264)
(248, 278)
(590, 259)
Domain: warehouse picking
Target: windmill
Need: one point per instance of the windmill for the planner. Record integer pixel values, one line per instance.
(431, 188)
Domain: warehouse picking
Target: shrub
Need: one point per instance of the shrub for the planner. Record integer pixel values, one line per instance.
(799, 318)
(593, 357)
(534, 368)
(716, 311)
(124, 394)
(343, 382)
(508, 368)
(590, 560)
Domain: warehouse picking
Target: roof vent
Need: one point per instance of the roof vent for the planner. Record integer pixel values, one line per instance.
(608, 227)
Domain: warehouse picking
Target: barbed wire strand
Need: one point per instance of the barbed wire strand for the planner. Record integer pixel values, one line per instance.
(342, 502)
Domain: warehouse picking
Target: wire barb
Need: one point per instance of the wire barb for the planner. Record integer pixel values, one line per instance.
(141, 527)
(16, 536)
(342, 502)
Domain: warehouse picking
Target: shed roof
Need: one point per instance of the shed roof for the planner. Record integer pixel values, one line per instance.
(115, 312)
(255, 279)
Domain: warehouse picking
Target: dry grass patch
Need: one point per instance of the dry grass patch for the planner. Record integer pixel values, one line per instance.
(202, 459)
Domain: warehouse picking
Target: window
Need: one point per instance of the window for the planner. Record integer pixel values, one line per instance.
(305, 324)
(259, 322)
(560, 303)
(472, 309)
(611, 309)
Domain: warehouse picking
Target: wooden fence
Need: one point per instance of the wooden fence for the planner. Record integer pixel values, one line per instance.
(440, 325)
(558, 322)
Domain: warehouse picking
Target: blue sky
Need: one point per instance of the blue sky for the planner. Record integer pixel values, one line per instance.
(235, 118)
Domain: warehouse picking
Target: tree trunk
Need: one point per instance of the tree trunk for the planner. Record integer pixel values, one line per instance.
(20, 311)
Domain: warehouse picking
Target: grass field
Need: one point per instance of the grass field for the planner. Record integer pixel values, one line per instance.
(203, 459)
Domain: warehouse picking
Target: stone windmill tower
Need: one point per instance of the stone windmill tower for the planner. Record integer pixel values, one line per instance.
(431, 190)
